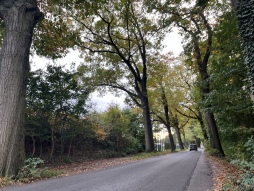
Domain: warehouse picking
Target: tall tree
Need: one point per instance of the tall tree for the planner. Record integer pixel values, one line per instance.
(159, 87)
(20, 18)
(164, 116)
(167, 90)
(197, 28)
(244, 12)
(120, 39)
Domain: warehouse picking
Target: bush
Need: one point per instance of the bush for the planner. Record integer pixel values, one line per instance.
(31, 171)
(5, 181)
(246, 181)
(249, 145)
(210, 151)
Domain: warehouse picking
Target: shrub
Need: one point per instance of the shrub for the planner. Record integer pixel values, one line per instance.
(5, 181)
(249, 145)
(31, 171)
(210, 151)
(246, 181)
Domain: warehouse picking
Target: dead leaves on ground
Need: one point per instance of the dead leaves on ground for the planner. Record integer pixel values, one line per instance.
(89, 165)
(223, 172)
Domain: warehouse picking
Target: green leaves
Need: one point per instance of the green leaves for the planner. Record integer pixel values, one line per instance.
(123, 128)
(245, 16)
(250, 148)
(56, 89)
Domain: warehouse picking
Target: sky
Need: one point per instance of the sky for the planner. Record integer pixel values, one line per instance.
(172, 43)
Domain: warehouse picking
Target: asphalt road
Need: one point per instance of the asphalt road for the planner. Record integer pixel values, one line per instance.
(172, 172)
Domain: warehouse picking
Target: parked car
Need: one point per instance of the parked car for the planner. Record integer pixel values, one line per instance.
(193, 147)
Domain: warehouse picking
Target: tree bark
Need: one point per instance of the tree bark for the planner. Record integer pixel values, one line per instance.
(147, 125)
(20, 18)
(184, 139)
(171, 140)
(178, 133)
(52, 144)
(170, 136)
(209, 116)
(166, 113)
(214, 131)
(202, 125)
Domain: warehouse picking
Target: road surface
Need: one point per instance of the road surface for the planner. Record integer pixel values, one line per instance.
(171, 172)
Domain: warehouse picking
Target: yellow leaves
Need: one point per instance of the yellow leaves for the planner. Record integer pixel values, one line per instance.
(100, 133)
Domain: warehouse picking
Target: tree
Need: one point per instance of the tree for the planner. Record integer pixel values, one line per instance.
(124, 132)
(136, 127)
(115, 123)
(177, 126)
(197, 28)
(245, 16)
(19, 18)
(230, 83)
(119, 39)
(169, 87)
(159, 94)
(194, 113)
(55, 96)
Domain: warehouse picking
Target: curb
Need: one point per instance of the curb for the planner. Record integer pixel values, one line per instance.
(201, 179)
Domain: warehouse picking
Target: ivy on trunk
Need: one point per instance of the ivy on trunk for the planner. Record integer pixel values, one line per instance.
(244, 12)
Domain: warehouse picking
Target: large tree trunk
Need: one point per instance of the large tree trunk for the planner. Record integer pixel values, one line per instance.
(170, 136)
(202, 125)
(184, 139)
(244, 12)
(214, 131)
(201, 61)
(209, 116)
(166, 113)
(178, 135)
(149, 143)
(171, 139)
(205, 85)
(20, 18)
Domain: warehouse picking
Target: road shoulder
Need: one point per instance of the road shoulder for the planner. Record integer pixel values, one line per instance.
(201, 179)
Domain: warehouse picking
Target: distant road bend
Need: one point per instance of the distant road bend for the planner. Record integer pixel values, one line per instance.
(164, 173)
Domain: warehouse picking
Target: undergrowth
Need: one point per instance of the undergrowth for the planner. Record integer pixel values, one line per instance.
(30, 172)
(244, 182)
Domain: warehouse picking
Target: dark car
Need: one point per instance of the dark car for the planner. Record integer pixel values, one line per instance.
(193, 147)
